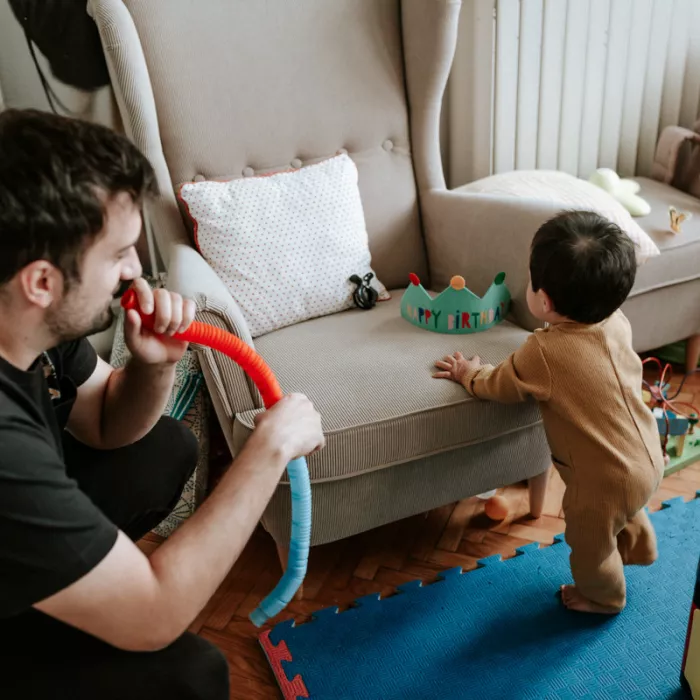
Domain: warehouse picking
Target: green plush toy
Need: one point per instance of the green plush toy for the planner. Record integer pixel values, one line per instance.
(623, 190)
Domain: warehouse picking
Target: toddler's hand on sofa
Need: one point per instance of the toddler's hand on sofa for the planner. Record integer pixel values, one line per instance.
(456, 367)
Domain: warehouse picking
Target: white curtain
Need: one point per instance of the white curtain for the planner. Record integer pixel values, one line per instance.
(569, 84)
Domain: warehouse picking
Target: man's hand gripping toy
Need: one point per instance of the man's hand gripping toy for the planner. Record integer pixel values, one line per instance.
(256, 368)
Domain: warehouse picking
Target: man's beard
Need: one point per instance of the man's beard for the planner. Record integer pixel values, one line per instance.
(65, 325)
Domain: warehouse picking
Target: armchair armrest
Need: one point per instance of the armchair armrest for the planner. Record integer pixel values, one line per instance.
(230, 388)
(479, 235)
(190, 275)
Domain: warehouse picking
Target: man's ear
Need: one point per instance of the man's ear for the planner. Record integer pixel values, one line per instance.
(41, 283)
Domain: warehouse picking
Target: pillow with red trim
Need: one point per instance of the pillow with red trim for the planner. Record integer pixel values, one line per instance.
(285, 244)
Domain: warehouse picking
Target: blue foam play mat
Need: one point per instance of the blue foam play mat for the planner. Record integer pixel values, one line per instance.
(500, 632)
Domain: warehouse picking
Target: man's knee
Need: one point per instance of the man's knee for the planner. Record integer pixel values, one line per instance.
(181, 443)
(163, 461)
(200, 670)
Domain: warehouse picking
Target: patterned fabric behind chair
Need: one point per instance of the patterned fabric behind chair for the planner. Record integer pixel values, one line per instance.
(188, 402)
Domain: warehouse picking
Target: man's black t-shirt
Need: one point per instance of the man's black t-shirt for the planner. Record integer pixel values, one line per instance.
(51, 534)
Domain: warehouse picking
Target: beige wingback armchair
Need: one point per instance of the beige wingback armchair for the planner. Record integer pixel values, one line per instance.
(229, 89)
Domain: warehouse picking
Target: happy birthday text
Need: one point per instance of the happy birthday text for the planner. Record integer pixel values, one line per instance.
(457, 320)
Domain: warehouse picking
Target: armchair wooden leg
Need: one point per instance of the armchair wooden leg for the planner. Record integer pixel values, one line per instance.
(692, 352)
(537, 487)
(283, 553)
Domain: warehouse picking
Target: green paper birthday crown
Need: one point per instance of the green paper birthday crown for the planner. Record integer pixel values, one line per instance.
(457, 309)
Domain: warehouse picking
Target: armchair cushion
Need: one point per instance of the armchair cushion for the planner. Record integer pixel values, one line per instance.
(369, 373)
(284, 244)
(566, 192)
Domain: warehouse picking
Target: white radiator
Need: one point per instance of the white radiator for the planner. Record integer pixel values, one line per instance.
(570, 84)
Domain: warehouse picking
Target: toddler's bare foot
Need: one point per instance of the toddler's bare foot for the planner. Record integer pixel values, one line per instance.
(573, 600)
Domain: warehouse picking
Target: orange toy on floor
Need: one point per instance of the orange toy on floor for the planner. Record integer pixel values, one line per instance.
(496, 508)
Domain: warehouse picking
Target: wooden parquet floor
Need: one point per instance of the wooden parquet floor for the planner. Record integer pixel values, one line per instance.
(416, 548)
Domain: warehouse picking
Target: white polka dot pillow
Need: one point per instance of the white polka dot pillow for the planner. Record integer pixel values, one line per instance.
(284, 244)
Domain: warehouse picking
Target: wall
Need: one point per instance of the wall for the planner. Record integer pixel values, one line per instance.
(570, 84)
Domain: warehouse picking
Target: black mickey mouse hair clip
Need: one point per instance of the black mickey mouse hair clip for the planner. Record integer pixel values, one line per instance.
(364, 296)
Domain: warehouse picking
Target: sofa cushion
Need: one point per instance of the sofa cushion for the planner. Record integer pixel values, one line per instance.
(680, 253)
(369, 375)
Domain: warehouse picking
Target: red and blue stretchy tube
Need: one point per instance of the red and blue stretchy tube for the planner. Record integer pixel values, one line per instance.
(300, 486)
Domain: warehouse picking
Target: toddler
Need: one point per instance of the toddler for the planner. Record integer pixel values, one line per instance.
(585, 375)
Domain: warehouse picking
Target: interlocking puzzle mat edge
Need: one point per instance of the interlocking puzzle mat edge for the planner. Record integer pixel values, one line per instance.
(295, 688)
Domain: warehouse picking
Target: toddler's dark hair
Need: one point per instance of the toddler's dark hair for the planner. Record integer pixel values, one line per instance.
(585, 263)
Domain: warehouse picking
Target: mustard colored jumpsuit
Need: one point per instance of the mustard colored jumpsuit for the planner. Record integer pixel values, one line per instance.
(604, 442)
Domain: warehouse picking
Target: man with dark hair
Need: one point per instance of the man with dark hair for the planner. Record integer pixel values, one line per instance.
(87, 462)
(587, 378)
